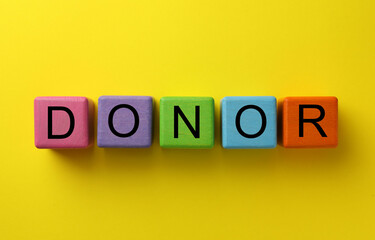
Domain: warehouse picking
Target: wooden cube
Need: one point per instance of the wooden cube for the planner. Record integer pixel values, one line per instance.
(62, 122)
(187, 122)
(310, 122)
(248, 122)
(125, 121)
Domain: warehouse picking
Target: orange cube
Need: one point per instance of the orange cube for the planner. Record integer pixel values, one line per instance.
(310, 122)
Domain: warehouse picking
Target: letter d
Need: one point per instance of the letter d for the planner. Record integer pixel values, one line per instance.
(71, 127)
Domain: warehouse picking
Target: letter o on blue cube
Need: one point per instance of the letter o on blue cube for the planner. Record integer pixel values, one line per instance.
(249, 122)
(125, 121)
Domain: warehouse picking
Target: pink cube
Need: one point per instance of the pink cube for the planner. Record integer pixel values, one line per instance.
(63, 122)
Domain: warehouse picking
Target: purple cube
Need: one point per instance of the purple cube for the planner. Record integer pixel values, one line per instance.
(125, 121)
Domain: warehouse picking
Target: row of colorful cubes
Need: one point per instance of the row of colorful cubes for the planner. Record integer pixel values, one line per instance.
(186, 122)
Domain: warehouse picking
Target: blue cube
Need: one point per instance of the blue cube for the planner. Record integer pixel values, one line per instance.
(249, 122)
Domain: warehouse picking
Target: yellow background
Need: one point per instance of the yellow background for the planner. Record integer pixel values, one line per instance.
(187, 48)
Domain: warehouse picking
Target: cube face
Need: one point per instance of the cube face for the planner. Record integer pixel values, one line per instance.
(187, 122)
(62, 122)
(249, 122)
(310, 122)
(125, 121)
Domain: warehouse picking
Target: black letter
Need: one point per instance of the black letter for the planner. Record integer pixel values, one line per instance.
(313, 121)
(136, 120)
(178, 111)
(71, 117)
(238, 124)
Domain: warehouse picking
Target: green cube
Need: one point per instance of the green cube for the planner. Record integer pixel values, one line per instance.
(187, 122)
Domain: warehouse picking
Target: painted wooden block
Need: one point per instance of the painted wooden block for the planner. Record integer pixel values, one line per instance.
(310, 122)
(187, 122)
(249, 122)
(125, 121)
(63, 122)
